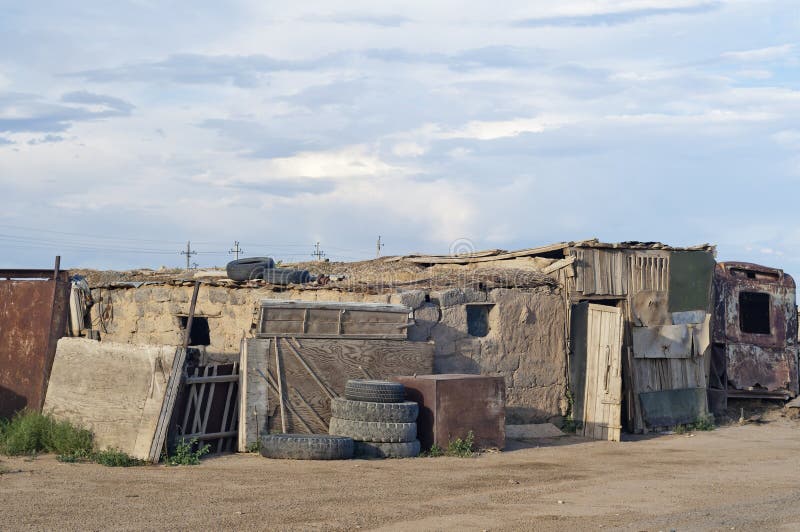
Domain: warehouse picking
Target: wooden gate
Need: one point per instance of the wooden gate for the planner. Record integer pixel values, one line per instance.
(210, 407)
(597, 369)
(287, 383)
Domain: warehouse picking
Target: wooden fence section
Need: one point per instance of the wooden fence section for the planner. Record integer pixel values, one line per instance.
(303, 375)
(210, 407)
(299, 319)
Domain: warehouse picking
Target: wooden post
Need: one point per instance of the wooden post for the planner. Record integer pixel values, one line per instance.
(279, 374)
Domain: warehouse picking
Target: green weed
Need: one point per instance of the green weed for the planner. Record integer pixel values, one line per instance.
(703, 423)
(116, 458)
(186, 455)
(459, 448)
(462, 448)
(32, 433)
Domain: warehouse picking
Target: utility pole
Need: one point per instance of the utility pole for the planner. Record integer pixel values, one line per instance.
(188, 254)
(379, 246)
(236, 249)
(318, 253)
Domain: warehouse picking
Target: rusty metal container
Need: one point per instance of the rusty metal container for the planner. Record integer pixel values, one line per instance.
(34, 307)
(452, 405)
(756, 325)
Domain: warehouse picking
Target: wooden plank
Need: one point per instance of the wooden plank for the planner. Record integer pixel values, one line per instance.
(592, 348)
(215, 378)
(253, 401)
(279, 377)
(348, 305)
(563, 263)
(449, 259)
(318, 336)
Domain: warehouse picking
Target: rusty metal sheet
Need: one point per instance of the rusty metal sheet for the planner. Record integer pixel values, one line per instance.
(755, 368)
(452, 405)
(33, 316)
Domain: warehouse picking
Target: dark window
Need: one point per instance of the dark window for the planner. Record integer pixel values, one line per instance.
(478, 319)
(754, 312)
(199, 335)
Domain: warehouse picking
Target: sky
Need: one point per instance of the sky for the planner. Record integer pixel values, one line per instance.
(128, 128)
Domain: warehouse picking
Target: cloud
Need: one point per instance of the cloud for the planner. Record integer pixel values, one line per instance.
(239, 70)
(113, 106)
(46, 139)
(612, 17)
(21, 113)
(761, 54)
(383, 21)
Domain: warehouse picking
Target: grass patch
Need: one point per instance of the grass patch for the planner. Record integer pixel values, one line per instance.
(186, 454)
(31, 433)
(116, 458)
(703, 423)
(459, 448)
(462, 448)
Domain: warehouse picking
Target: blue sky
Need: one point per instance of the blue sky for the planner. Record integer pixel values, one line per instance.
(127, 128)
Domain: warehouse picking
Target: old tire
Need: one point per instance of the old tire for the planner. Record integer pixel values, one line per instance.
(284, 276)
(373, 431)
(365, 449)
(405, 412)
(307, 447)
(374, 391)
(249, 268)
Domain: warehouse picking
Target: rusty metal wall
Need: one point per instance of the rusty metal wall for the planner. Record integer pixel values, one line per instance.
(757, 364)
(34, 308)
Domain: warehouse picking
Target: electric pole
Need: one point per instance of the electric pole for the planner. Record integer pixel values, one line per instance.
(188, 254)
(318, 253)
(236, 249)
(379, 246)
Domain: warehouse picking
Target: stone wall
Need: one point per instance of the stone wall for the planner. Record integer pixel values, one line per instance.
(525, 341)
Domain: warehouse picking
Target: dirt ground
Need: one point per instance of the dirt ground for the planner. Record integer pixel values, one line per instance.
(734, 478)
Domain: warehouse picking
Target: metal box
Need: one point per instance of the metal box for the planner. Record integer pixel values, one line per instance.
(452, 405)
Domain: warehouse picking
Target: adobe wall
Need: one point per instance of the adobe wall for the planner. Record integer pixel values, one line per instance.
(525, 342)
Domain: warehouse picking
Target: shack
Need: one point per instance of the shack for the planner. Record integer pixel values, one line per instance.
(615, 336)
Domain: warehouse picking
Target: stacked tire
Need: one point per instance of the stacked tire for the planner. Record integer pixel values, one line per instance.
(377, 417)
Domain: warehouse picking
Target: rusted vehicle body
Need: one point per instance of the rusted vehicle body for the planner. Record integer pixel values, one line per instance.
(755, 331)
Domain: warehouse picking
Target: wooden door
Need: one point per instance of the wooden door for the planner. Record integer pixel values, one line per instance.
(602, 405)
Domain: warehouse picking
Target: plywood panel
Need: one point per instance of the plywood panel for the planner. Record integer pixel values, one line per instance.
(315, 369)
(115, 390)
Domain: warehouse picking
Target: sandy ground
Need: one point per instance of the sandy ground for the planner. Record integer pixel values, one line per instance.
(738, 477)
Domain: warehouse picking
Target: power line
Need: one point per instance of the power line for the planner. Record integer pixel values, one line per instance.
(188, 254)
(236, 250)
(318, 253)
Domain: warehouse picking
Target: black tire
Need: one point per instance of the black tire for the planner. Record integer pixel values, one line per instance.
(249, 268)
(284, 276)
(405, 412)
(374, 391)
(307, 447)
(373, 431)
(365, 449)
